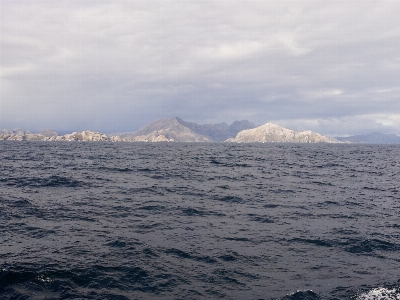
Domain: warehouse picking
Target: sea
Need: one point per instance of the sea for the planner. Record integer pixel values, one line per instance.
(92, 220)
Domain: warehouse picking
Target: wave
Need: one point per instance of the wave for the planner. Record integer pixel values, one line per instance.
(186, 255)
(190, 211)
(50, 181)
(301, 295)
(96, 282)
(115, 169)
(125, 282)
(353, 245)
(229, 199)
(261, 219)
(380, 294)
(371, 245)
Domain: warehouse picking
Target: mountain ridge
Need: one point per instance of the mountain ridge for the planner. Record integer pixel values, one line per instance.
(179, 130)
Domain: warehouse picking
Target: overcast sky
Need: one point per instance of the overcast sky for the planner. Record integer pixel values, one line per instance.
(327, 66)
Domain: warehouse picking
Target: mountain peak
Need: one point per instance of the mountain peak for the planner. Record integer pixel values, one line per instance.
(167, 130)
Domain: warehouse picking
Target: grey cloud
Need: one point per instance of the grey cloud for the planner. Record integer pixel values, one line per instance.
(116, 65)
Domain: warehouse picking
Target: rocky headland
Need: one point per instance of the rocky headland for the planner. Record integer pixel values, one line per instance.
(272, 133)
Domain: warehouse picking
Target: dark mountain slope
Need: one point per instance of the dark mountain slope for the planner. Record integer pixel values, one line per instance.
(218, 132)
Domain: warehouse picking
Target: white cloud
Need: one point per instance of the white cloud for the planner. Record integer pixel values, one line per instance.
(238, 50)
(322, 93)
(292, 46)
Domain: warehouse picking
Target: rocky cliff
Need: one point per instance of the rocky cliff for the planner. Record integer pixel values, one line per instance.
(51, 135)
(86, 135)
(19, 135)
(272, 133)
(15, 134)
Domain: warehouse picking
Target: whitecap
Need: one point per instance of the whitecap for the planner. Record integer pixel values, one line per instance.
(380, 294)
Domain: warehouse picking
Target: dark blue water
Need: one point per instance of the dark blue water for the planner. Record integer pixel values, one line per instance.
(199, 221)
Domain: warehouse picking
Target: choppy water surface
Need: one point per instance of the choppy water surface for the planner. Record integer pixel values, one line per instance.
(199, 221)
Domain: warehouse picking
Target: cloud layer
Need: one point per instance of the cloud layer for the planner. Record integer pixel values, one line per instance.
(328, 66)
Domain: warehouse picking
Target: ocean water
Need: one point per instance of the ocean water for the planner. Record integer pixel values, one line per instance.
(199, 221)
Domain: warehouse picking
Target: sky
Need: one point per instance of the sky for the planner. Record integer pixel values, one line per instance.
(328, 66)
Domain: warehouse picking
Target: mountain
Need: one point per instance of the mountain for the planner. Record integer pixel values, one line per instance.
(372, 138)
(238, 126)
(49, 133)
(166, 130)
(218, 132)
(272, 133)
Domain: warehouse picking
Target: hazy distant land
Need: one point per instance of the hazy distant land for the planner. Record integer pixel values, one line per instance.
(372, 138)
